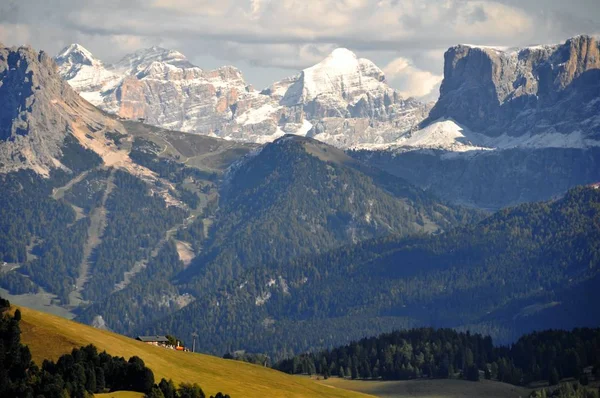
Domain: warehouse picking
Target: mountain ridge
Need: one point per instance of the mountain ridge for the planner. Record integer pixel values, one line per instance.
(335, 100)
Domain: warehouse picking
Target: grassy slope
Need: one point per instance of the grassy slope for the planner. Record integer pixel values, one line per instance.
(431, 388)
(120, 394)
(49, 336)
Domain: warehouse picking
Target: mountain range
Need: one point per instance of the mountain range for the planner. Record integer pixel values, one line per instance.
(278, 242)
(343, 100)
(491, 98)
(530, 112)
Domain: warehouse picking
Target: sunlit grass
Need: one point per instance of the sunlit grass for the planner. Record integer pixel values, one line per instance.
(49, 336)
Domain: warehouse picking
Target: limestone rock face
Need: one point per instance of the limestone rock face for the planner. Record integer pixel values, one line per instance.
(37, 110)
(510, 126)
(347, 97)
(534, 90)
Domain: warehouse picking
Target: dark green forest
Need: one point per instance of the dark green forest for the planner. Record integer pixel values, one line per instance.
(304, 242)
(550, 355)
(251, 229)
(136, 222)
(30, 220)
(287, 202)
(531, 267)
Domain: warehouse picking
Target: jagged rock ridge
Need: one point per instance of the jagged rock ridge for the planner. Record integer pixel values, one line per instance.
(37, 111)
(343, 100)
(528, 92)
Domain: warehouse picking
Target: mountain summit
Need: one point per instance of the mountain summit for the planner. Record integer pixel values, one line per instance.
(39, 110)
(340, 80)
(76, 54)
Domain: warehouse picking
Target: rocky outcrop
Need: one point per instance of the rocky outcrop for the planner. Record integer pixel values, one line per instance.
(510, 126)
(37, 110)
(347, 102)
(343, 100)
(342, 85)
(534, 90)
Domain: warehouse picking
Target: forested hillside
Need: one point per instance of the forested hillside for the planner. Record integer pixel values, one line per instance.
(526, 268)
(444, 353)
(288, 199)
(298, 196)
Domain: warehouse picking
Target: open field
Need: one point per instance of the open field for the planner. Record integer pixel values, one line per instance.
(49, 336)
(430, 388)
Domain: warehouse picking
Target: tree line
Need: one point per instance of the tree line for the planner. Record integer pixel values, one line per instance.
(446, 353)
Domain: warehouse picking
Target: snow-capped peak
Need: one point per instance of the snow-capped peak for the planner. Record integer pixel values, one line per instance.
(340, 57)
(76, 54)
(78, 66)
(341, 75)
(142, 59)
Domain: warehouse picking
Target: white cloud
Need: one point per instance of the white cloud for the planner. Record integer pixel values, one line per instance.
(413, 81)
(15, 34)
(294, 33)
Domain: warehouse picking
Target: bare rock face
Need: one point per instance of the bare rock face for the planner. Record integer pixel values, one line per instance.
(510, 126)
(37, 110)
(347, 102)
(345, 96)
(535, 90)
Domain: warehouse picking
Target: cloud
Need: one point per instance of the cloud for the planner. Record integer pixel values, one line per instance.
(414, 81)
(293, 34)
(14, 34)
(282, 55)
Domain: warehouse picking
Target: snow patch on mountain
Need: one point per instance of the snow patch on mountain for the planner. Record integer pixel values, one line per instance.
(304, 128)
(85, 74)
(445, 134)
(255, 116)
(140, 60)
(448, 135)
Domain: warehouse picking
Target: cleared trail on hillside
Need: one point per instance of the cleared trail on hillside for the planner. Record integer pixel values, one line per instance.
(95, 232)
(59, 193)
(140, 265)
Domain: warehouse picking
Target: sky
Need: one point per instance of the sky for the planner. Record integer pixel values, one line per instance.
(272, 39)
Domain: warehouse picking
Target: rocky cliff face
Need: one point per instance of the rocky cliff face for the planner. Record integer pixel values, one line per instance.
(162, 87)
(347, 102)
(37, 111)
(514, 92)
(510, 126)
(343, 100)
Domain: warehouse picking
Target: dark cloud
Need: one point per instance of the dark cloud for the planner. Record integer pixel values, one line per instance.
(478, 15)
